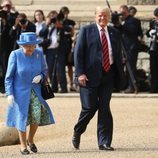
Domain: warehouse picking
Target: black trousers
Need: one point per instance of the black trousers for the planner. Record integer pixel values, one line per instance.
(97, 99)
(4, 56)
(154, 71)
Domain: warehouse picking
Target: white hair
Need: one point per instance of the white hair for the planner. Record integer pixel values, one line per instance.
(102, 9)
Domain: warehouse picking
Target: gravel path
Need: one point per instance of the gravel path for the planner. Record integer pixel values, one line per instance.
(135, 131)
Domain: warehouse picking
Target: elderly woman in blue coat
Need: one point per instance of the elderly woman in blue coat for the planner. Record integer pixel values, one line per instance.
(26, 70)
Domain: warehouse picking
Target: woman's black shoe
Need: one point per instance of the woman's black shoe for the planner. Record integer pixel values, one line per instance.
(33, 147)
(24, 152)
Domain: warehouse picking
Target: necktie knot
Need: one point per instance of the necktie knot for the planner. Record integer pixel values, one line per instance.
(102, 30)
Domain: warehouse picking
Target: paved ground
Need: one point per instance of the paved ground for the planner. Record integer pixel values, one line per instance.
(135, 129)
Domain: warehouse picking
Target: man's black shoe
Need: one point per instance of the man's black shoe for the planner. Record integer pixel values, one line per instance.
(76, 140)
(105, 147)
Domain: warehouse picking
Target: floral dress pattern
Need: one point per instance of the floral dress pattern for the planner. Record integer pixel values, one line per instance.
(37, 114)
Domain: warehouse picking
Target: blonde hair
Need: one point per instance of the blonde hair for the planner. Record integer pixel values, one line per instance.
(102, 9)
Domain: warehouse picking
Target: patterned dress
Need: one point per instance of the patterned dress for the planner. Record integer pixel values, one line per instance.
(37, 114)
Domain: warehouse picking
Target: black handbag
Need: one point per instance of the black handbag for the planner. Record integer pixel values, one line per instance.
(46, 90)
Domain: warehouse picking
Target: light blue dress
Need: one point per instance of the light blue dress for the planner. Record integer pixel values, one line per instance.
(18, 82)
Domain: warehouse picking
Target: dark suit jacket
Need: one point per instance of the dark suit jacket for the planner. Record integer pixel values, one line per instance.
(88, 54)
(6, 41)
(130, 32)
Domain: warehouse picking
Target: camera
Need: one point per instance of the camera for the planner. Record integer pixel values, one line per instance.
(59, 17)
(3, 14)
(23, 21)
(53, 20)
(115, 18)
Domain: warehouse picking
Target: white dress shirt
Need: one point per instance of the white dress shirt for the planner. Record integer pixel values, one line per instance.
(54, 39)
(109, 43)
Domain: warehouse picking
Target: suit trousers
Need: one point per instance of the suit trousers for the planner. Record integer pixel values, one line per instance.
(154, 71)
(97, 99)
(62, 71)
(52, 59)
(132, 57)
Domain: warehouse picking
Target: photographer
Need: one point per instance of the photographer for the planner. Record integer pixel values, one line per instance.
(131, 31)
(69, 32)
(152, 33)
(3, 28)
(22, 24)
(7, 20)
(53, 46)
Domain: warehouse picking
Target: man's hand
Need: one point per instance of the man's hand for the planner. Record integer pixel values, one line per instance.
(82, 79)
(37, 79)
(10, 99)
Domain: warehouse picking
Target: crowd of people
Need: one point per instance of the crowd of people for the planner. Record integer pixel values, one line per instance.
(132, 40)
(58, 31)
(34, 51)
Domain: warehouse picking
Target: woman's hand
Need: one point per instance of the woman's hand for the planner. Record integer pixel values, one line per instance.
(10, 99)
(37, 79)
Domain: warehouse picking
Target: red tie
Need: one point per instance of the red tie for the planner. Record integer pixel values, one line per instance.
(106, 60)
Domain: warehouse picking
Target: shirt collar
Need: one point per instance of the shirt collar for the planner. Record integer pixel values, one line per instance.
(99, 28)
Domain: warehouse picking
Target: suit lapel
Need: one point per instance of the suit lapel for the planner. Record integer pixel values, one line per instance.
(97, 36)
(112, 40)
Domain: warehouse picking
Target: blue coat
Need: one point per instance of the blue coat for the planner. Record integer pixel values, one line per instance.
(18, 82)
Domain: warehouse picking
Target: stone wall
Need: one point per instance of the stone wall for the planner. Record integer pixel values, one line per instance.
(22, 2)
(83, 15)
(142, 2)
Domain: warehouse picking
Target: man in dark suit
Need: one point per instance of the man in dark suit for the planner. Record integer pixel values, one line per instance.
(152, 34)
(131, 31)
(95, 76)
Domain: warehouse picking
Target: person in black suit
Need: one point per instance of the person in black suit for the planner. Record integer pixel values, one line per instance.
(131, 31)
(8, 15)
(152, 33)
(53, 45)
(132, 10)
(68, 35)
(96, 82)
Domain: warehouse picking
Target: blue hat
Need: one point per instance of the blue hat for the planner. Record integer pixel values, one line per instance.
(28, 38)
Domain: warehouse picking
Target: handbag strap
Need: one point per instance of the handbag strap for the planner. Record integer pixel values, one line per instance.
(46, 82)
